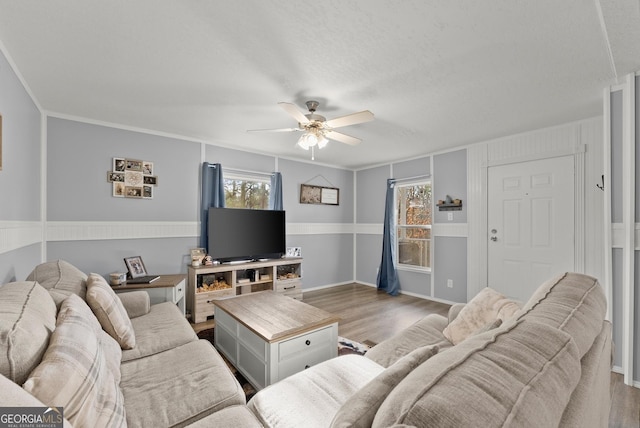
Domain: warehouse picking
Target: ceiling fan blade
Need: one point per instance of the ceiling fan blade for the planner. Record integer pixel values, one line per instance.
(350, 119)
(294, 112)
(343, 138)
(275, 130)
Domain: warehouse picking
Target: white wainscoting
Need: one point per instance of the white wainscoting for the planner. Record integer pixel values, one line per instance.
(105, 230)
(18, 234)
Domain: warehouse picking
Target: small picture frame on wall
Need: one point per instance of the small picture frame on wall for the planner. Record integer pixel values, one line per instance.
(119, 164)
(147, 192)
(147, 168)
(133, 191)
(133, 165)
(150, 180)
(118, 189)
(115, 176)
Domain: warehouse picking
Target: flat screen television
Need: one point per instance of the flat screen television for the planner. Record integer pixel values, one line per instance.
(236, 234)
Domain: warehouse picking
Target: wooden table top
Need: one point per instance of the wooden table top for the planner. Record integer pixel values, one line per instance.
(164, 282)
(273, 316)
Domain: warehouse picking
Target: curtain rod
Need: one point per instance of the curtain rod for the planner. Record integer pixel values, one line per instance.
(395, 180)
(245, 171)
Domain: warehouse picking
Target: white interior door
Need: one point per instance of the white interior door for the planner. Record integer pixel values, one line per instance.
(530, 224)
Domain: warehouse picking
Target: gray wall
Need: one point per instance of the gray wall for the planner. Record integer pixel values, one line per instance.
(79, 156)
(450, 256)
(371, 187)
(20, 177)
(450, 178)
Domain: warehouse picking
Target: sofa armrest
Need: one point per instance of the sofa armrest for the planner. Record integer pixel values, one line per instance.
(137, 303)
(454, 310)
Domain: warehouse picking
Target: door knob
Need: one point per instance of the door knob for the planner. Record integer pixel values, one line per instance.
(494, 239)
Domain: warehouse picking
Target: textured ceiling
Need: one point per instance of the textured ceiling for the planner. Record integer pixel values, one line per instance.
(435, 74)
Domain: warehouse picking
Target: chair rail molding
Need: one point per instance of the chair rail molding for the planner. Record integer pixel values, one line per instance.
(19, 234)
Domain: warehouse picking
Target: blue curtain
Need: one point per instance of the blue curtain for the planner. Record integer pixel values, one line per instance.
(275, 195)
(212, 196)
(387, 274)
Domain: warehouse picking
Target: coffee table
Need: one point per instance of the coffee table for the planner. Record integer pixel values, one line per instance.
(268, 336)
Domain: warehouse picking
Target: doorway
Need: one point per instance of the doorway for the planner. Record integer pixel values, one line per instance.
(530, 225)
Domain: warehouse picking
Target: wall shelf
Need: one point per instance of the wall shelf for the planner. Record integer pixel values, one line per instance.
(449, 204)
(450, 207)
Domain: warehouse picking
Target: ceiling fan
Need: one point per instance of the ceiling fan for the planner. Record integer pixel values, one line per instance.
(317, 129)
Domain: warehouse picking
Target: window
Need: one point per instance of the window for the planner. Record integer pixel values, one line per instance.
(246, 192)
(413, 227)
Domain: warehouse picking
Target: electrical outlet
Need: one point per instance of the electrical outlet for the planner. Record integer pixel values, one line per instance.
(450, 216)
(450, 283)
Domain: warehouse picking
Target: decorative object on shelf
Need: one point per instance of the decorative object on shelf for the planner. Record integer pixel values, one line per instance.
(117, 278)
(132, 178)
(449, 204)
(197, 256)
(294, 252)
(207, 261)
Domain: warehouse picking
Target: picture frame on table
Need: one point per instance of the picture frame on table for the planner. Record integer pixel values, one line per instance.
(294, 252)
(135, 266)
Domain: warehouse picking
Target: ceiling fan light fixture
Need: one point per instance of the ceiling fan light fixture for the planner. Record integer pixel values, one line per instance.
(322, 142)
(306, 141)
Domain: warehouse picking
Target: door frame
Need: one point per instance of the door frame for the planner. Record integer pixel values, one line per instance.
(548, 143)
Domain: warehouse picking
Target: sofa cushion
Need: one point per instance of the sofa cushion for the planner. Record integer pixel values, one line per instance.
(27, 319)
(360, 409)
(74, 373)
(521, 374)
(136, 303)
(232, 416)
(487, 306)
(426, 331)
(179, 386)
(572, 302)
(311, 398)
(61, 279)
(163, 328)
(108, 308)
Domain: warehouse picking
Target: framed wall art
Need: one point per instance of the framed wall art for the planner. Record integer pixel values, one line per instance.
(310, 194)
(132, 178)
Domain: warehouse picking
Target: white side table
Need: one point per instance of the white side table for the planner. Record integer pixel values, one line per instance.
(169, 288)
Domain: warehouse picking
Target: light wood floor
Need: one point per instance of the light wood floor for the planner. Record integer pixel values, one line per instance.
(370, 316)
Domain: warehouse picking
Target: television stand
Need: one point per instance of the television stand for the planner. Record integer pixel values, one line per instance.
(206, 284)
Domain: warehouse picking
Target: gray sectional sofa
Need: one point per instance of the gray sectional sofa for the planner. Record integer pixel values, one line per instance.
(492, 363)
(53, 345)
(546, 364)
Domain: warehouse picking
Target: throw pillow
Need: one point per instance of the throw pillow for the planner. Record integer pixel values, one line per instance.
(360, 409)
(482, 310)
(109, 310)
(74, 373)
(61, 279)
